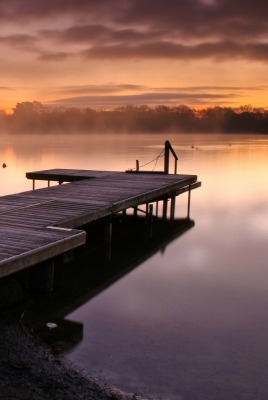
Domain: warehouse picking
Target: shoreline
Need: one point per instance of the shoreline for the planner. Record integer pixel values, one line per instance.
(30, 371)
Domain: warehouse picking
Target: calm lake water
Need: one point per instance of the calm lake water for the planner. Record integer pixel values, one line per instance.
(191, 321)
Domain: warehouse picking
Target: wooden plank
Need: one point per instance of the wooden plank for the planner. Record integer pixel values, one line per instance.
(37, 246)
(66, 175)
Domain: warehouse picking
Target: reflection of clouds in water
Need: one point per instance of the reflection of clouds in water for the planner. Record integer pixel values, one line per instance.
(196, 257)
(258, 222)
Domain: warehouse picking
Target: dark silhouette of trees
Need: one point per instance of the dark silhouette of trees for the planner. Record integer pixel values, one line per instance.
(31, 117)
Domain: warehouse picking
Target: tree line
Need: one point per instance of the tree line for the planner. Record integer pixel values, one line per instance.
(34, 117)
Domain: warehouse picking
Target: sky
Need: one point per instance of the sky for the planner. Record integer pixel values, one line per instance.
(109, 53)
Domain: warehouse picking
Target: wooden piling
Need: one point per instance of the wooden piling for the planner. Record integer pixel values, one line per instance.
(189, 202)
(172, 207)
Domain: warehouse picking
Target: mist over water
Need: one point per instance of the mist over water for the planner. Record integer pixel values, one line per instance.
(191, 321)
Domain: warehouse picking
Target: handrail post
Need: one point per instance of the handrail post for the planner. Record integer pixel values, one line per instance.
(169, 148)
(166, 162)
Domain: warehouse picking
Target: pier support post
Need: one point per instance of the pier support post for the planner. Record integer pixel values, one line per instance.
(149, 220)
(172, 207)
(41, 277)
(108, 237)
(149, 213)
(189, 202)
(165, 208)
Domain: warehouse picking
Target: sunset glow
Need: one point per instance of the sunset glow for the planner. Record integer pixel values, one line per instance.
(117, 52)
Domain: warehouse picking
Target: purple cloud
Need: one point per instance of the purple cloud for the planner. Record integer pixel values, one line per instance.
(163, 50)
(185, 29)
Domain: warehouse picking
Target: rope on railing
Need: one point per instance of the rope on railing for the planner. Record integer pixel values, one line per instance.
(164, 153)
(154, 159)
(149, 162)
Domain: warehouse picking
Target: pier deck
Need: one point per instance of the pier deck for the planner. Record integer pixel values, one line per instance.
(38, 225)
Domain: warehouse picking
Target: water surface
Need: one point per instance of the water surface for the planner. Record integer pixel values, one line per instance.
(191, 321)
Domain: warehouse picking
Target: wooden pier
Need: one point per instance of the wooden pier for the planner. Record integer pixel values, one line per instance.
(38, 225)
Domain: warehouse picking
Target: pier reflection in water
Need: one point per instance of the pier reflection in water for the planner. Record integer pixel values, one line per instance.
(88, 273)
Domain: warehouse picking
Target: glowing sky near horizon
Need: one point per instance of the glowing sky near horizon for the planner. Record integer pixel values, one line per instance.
(117, 52)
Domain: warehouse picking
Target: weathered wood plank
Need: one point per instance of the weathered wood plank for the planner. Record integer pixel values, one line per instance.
(37, 246)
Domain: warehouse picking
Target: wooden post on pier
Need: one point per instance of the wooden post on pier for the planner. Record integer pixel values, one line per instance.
(108, 238)
(149, 220)
(156, 211)
(169, 149)
(189, 202)
(149, 213)
(172, 207)
(165, 208)
(166, 160)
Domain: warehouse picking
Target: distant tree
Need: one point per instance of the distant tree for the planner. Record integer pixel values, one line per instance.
(246, 108)
(28, 108)
(36, 117)
(162, 109)
(185, 118)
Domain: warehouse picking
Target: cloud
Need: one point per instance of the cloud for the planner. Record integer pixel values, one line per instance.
(186, 17)
(102, 34)
(43, 9)
(209, 88)
(18, 40)
(112, 95)
(57, 56)
(199, 19)
(17, 43)
(162, 50)
(119, 88)
(98, 89)
(185, 29)
(151, 99)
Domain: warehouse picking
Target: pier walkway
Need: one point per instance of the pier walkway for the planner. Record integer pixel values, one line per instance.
(40, 224)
